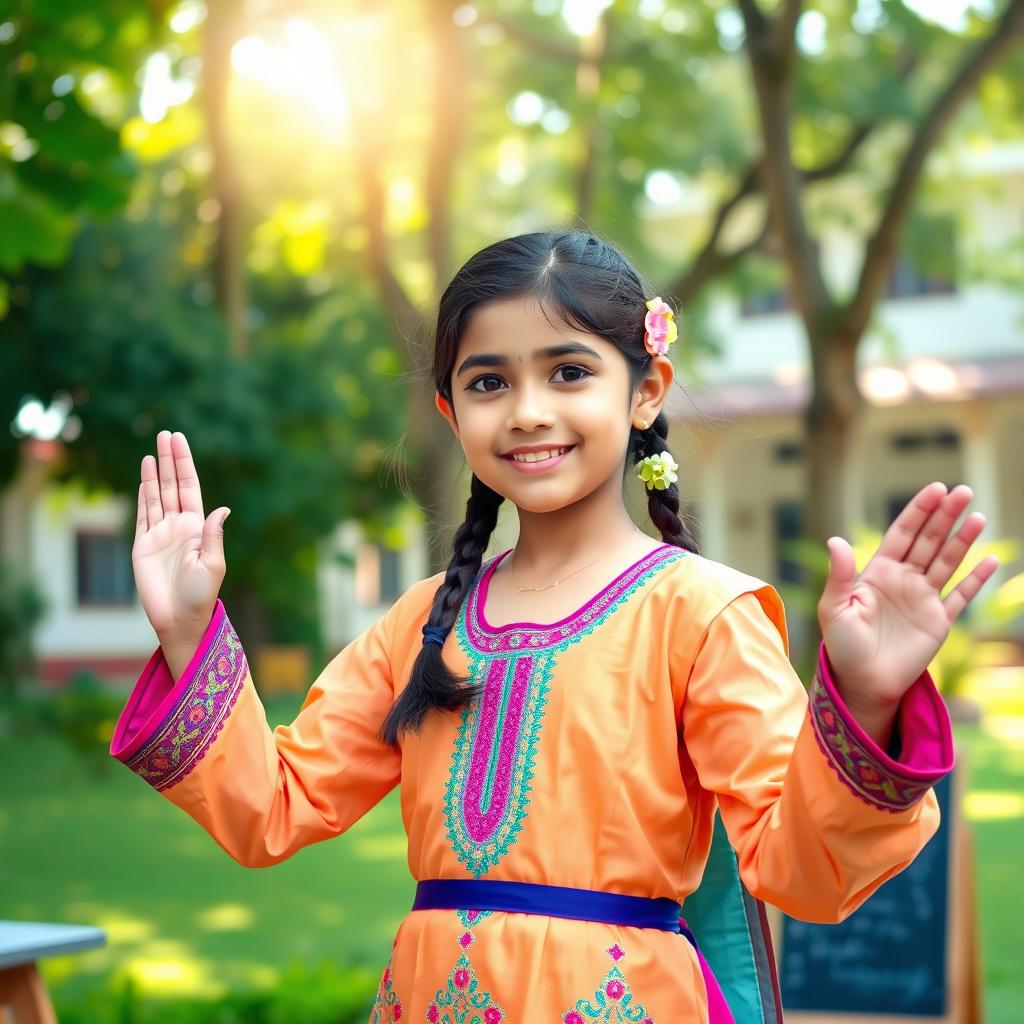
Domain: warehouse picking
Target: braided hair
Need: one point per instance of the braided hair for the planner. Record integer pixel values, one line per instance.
(591, 287)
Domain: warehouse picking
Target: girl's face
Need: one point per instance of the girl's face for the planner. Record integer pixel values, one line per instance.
(555, 396)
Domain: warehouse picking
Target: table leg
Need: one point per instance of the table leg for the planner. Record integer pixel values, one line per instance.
(23, 997)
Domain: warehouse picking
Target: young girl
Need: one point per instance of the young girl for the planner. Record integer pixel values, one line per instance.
(586, 725)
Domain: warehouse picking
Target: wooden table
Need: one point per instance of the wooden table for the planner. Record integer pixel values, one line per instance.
(23, 996)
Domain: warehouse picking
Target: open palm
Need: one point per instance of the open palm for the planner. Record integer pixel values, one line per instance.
(178, 555)
(884, 626)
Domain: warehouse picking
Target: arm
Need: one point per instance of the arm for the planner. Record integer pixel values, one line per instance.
(819, 814)
(203, 742)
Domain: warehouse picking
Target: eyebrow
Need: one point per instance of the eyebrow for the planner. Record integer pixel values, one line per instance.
(569, 348)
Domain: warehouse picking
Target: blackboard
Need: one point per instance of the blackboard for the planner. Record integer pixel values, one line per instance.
(890, 955)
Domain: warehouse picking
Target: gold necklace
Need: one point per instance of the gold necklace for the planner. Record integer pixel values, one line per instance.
(523, 590)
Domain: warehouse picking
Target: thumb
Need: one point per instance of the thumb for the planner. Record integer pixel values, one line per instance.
(842, 571)
(211, 548)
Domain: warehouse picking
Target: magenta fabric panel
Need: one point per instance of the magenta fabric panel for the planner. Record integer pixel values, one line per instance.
(155, 693)
(927, 750)
(718, 1008)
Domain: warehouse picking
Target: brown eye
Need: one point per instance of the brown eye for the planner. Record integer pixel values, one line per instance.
(573, 368)
(485, 377)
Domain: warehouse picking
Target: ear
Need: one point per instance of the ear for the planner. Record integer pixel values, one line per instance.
(652, 392)
(444, 408)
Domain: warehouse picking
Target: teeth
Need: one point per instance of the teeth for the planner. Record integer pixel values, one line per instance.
(539, 456)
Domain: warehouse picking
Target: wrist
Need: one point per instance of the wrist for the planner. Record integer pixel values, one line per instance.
(876, 718)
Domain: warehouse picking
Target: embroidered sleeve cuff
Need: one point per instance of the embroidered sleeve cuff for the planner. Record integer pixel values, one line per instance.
(924, 745)
(167, 727)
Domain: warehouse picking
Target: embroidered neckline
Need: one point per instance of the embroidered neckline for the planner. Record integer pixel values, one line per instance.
(534, 636)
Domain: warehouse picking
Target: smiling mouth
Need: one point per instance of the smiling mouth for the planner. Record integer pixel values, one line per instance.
(544, 456)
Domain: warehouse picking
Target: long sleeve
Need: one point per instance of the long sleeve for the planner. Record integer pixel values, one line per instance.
(820, 816)
(204, 743)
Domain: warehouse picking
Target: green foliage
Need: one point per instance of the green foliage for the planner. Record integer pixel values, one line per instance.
(83, 714)
(60, 151)
(320, 994)
(22, 605)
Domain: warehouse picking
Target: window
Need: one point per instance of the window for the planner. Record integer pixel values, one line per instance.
(789, 527)
(927, 263)
(760, 294)
(104, 567)
(378, 575)
(778, 300)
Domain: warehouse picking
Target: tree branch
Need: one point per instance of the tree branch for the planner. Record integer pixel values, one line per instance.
(773, 69)
(881, 249)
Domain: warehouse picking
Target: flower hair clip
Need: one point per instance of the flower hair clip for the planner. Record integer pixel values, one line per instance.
(659, 327)
(658, 471)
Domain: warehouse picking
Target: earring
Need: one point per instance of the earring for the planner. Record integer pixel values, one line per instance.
(643, 423)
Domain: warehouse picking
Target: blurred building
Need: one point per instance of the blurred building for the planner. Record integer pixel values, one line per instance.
(942, 370)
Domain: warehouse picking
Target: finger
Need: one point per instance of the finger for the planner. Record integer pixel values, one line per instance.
(935, 531)
(141, 519)
(151, 491)
(965, 592)
(168, 475)
(842, 571)
(904, 529)
(940, 572)
(189, 491)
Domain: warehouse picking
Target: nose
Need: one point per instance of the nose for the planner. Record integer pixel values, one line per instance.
(530, 410)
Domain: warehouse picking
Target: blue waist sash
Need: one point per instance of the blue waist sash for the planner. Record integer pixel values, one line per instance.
(551, 900)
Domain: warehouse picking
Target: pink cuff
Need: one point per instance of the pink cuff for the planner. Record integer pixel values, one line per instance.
(166, 727)
(893, 784)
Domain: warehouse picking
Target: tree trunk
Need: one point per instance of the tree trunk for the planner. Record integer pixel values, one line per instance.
(439, 479)
(830, 418)
(221, 32)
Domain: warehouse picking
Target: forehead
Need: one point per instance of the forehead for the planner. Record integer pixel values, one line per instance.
(514, 327)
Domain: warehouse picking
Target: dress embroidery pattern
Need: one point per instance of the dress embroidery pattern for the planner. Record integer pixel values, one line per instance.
(857, 767)
(488, 791)
(613, 999)
(462, 1001)
(191, 726)
(387, 1007)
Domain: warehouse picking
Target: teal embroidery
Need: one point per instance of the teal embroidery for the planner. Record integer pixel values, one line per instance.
(462, 1001)
(387, 1007)
(613, 999)
(487, 796)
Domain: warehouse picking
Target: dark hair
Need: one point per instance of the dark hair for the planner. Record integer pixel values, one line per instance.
(593, 288)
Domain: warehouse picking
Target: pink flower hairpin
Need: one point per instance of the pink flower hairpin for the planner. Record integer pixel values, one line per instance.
(660, 327)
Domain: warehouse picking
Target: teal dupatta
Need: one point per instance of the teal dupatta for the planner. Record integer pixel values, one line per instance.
(731, 929)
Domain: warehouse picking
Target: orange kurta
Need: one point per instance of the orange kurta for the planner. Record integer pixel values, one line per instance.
(595, 759)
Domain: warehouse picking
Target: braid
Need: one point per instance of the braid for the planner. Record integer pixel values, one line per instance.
(663, 506)
(432, 683)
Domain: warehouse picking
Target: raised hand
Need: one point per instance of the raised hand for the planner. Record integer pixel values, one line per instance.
(178, 556)
(882, 628)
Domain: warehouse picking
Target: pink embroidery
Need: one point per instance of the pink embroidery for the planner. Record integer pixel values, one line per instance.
(506, 639)
(855, 765)
(462, 1000)
(484, 812)
(614, 987)
(190, 727)
(386, 1004)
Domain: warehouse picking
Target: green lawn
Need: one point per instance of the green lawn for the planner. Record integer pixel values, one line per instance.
(182, 917)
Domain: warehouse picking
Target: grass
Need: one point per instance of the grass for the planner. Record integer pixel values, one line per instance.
(180, 915)
(183, 918)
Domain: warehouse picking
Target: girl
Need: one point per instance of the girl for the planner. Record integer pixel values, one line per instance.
(586, 725)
